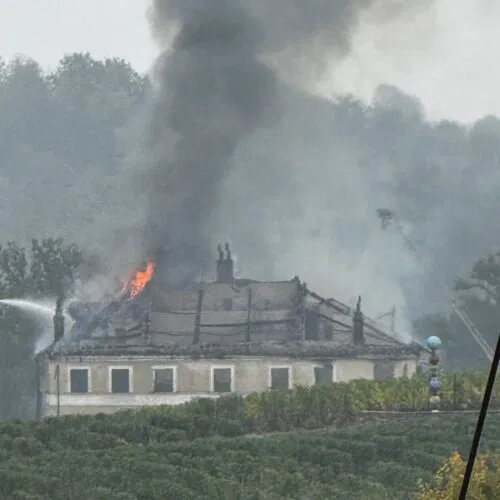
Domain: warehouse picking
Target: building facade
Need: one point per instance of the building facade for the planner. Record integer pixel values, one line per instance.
(106, 382)
(226, 336)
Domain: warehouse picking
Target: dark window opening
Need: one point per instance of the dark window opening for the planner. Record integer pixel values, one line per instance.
(312, 324)
(79, 380)
(323, 375)
(405, 370)
(222, 379)
(280, 379)
(328, 331)
(227, 304)
(120, 380)
(383, 371)
(164, 380)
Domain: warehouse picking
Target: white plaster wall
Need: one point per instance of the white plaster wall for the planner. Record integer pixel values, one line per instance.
(350, 369)
(193, 376)
(193, 379)
(411, 368)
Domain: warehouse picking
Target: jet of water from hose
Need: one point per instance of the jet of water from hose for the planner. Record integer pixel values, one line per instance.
(42, 312)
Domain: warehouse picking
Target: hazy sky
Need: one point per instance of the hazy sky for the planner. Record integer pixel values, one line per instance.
(47, 29)
(448, 56)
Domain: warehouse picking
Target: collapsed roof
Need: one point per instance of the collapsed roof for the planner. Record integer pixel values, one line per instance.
(229, 317)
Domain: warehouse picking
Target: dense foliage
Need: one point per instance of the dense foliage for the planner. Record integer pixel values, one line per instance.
(172, 453)
(484, 485)
(334, 404)
(235, 447)
(43, 270)
(63, 137)
(61, 155)
(478, 295)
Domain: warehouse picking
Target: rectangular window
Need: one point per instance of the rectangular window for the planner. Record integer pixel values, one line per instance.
(383, 371)
(280, 379)
(79, 380)
(328, 331)
(311, 324)
(323, 375)
(222, 379)
(120, 380)
(164, 380)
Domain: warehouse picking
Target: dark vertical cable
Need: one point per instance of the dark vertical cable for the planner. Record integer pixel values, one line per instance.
(58, 381)
(197, 323)
(480, 422)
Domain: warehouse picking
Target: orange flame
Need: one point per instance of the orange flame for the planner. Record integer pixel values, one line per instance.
(139, 280)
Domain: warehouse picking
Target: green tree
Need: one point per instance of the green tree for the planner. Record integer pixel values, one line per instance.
(53, 264)
(24, 106)
(44, 271)
(92, 100)
(480, 296)
(63, 138)
(485, 278)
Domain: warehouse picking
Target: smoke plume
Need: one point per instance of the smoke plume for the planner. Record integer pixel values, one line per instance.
(215, 91)
(238, 148)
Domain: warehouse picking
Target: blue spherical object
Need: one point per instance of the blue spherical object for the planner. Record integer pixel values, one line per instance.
(434, 384)
(433, 342)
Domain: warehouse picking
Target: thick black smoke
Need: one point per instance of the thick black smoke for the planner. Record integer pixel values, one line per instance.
(238, 149)
(213, 92)
(293, 180)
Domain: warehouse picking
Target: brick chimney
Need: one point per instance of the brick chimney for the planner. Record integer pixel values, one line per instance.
(358, 336)
(59, 321)
(225, 265)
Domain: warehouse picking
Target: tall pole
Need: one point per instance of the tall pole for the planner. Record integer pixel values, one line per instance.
(434, 343)
(480, 422)
(197, 321)
(249, 314)
(58, 382)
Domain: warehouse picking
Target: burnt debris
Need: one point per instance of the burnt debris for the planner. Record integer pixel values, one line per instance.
(94, 319)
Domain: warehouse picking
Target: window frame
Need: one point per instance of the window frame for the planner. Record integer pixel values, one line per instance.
(391, 365)
(212, 375)
(227, 304)
(175, 388)
(324, 367)
(89, 378)
(270, 376)
(130, 378)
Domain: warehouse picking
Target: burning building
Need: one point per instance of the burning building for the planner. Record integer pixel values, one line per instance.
(153, 345)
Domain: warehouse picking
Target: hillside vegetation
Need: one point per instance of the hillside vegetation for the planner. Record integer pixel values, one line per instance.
(125, 457)
(206, 450)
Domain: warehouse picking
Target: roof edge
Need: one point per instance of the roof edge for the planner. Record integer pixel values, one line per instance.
(291, 349)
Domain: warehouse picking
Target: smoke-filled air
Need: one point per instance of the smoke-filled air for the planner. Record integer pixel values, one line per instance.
(225, 243)
(233, 143)
(237, 147)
